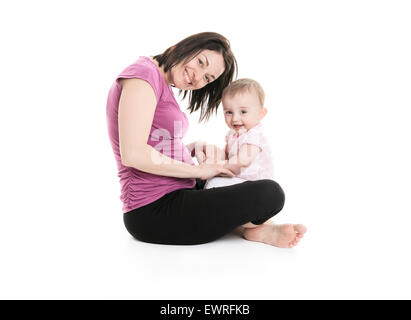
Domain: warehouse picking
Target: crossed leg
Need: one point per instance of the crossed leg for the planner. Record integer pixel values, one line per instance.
(281, 235)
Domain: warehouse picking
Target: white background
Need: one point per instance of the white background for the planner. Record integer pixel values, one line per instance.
(337, 76)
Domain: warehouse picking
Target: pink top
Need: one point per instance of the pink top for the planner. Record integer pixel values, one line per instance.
(169, 126)
(262, 166)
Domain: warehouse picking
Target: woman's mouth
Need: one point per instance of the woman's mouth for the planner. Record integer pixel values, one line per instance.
(188, 80)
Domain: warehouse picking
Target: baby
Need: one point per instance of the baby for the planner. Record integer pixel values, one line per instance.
(247, 152)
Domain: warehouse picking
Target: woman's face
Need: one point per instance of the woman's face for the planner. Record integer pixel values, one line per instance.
(203, 69)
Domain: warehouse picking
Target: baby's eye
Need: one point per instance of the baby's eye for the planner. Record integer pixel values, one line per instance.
(228, 112)
(243, 112)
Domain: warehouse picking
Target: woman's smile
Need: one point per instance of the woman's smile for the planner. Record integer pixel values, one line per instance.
(187, 77)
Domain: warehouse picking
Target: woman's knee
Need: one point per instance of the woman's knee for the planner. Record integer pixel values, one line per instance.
(271, 194)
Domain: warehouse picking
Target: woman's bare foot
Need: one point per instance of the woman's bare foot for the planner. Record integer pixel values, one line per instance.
(279, 235)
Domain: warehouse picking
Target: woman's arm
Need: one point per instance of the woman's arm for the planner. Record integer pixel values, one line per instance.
(135, 116)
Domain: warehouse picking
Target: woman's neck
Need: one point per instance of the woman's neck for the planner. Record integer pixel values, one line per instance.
(164, 74)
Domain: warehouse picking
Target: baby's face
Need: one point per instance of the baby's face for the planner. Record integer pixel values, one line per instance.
(243, 110)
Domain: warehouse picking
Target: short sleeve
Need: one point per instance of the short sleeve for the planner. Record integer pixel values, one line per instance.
(144, 70)
(254, 137)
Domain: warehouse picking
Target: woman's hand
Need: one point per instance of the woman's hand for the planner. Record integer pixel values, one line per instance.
(207, 171)
(234, 168)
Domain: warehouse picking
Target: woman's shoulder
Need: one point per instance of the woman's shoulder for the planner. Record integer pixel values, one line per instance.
(143, 69)
(144, 66)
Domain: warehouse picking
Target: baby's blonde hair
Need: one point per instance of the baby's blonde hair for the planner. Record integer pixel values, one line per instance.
(242, 85)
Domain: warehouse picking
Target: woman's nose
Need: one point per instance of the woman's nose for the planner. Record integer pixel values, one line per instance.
(199, 77)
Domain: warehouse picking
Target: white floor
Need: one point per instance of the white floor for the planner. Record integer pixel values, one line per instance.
(87, 254)
(62, 237)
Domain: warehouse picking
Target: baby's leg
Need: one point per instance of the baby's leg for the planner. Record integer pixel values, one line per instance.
(217, 182)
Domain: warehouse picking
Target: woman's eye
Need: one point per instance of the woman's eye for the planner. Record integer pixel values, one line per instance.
(207, 79)
(243, 112)
(201, 62)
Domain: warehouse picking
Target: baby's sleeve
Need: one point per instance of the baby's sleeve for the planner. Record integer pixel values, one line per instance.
(254, 137)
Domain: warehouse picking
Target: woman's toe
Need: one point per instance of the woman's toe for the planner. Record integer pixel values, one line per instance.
(300, 229)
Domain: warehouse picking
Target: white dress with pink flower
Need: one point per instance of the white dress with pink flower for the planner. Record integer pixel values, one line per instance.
(260, 168)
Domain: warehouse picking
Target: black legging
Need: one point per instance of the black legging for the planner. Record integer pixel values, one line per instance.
(196, 216)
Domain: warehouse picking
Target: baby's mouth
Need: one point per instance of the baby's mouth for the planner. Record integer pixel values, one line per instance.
(237, 126)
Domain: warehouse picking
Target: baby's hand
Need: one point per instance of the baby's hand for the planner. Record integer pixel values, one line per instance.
(201, 157)
(214, 154)
(206, 153)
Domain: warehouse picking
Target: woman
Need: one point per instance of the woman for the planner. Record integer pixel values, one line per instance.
(161, 187)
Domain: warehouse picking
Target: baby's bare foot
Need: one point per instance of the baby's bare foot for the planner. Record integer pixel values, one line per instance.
(279, 235)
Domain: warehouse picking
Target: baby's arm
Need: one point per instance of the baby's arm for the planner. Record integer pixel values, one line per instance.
(245, 156)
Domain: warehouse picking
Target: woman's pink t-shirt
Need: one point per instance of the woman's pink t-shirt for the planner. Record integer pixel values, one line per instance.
(169, 126)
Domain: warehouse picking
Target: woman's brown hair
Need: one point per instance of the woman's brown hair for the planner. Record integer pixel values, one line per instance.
(186, 50)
